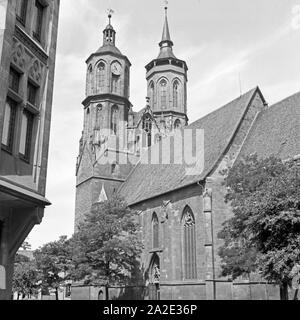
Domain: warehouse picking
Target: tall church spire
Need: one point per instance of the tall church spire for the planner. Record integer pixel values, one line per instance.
(166, 43)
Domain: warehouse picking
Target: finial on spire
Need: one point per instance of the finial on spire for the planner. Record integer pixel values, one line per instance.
(110, 12)
(166, 5)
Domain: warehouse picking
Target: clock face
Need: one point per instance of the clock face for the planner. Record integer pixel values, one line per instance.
(116, 69)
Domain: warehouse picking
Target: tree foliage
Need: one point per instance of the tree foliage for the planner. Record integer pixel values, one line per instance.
(264, 233)
(25, 280)
(106, 247)
(54, 262)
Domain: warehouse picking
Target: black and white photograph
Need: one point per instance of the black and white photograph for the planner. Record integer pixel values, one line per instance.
(149, 151)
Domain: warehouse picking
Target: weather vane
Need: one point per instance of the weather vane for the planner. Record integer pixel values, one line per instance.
(166, 4)
(110, 12)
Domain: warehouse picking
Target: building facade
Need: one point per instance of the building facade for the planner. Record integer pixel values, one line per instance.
(28, 36)
(181, 208)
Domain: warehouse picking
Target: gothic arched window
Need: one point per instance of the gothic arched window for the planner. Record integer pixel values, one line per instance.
(163, 93)
(176, 94)
(115, 84)
(147, 127)
(127, 82)
(151, 94)
(100, 77)
(98, 116)
(89, 85)
(115, 169)
(114, 119)
(189, 244)
(177, 124)
(155, 231)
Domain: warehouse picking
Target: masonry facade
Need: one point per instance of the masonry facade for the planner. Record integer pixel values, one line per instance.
(181, 208)
(28, 35)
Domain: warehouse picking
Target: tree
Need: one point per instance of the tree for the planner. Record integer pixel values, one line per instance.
(25, 246)
(106, 247)
(25, 279)
(54, 262)
(264, 233)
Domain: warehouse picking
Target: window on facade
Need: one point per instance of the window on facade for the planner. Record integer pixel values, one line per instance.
(68, 290)
(101, 77)
(32, 93)
(189, 244)
(176, 94)
(89, 84)
(14, 80)
(177, 124)
(22, 11)
(26, 135)
(147, 127)
(163, 94)
(114, 119)
(115, 83)
(127, 82)
(98, 116)
(152, 94)
(39, 16)
(155, 231)
(9, 125)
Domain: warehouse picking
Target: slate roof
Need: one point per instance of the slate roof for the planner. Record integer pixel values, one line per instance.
(150, 180)
(109, 49)
(276, 131)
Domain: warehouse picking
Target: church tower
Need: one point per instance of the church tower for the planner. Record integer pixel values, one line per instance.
(102, 164)
(167, 85)
(107, 87)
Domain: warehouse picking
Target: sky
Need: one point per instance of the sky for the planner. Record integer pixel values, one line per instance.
(230, 46)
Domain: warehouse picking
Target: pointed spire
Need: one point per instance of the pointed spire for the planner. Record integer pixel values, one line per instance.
(103, 196)
(166, 32)
(166, 43)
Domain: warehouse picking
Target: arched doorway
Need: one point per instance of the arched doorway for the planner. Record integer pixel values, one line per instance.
(154, 278)
(101, 295)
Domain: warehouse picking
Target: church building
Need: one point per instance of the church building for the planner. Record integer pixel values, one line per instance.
(180, 204)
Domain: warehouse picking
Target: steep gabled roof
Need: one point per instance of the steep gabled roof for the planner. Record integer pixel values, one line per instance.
(151, 180)
(276, 131)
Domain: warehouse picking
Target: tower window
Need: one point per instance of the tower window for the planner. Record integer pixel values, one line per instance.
(90, 80)
(9, 125)
(101, 77)
(163, 94)
(26, 135)
(155, 231)
(22, 11)
(114, 119)
(127, 82)
(151, 95)
(115, 83)
(189, 244)
(147, 127)
(98, 116)
(176, 94)
(177, 124)
(115, 169)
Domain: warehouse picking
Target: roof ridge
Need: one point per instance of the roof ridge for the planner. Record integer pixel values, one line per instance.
(283, 100)
(225, 105)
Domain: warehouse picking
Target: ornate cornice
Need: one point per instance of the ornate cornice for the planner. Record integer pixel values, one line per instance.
(106, 96)
(37, 50)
